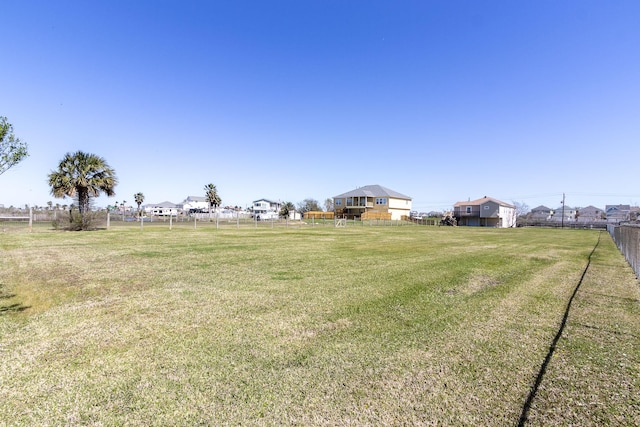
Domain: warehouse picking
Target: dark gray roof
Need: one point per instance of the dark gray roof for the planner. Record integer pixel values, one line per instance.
(590, 208)
(373, 191)
(163, 205)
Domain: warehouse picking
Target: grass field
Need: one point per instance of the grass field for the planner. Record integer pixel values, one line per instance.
(316, 326)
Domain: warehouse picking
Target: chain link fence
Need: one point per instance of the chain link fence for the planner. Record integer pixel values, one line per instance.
(627, 238)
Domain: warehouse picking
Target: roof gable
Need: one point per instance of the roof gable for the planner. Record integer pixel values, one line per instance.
(541, 208)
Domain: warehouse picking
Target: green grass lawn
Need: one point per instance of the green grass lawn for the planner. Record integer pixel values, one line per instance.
(315, 326)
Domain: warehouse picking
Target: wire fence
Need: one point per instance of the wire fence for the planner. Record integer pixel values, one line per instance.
(104, 221)
(627, 239)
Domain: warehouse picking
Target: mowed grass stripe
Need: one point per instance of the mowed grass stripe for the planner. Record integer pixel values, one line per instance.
(269, 327)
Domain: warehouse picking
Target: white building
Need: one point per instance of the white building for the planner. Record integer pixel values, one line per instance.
(195, 204)
(265, 209)
(162, 209)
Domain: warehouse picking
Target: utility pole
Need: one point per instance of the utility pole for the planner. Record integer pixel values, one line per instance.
(562, 222)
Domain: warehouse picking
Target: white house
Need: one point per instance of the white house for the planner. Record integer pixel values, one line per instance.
(195, 204)
(265, 209)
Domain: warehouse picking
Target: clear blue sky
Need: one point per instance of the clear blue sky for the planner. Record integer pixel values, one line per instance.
(439, 100)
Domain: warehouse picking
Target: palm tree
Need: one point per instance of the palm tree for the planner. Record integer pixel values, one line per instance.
(211, 193)
(286, 209)
(82, 175)
(139, 198)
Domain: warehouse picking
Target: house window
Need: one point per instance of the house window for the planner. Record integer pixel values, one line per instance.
(338, 202)
(468, 209)
(381, 201)
(486, 208)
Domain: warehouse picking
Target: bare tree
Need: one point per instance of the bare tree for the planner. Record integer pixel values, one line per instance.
(328, 205)
(308, 205)
(521, 208)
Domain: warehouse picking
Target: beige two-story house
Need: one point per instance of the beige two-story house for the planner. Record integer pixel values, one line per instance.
(372, 198)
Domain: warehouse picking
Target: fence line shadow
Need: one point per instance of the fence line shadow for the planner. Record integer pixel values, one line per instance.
(13, 308)
(552, 348)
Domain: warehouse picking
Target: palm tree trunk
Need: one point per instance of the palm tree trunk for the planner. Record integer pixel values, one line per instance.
(83, 201)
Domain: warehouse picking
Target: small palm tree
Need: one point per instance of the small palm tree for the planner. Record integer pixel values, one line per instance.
(139, 198)
(286, 210)
(82, 175)
(211, 193)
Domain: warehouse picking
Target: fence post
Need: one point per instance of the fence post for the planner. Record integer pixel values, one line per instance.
(30, 219)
